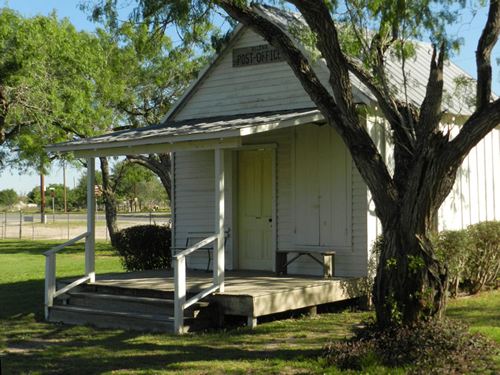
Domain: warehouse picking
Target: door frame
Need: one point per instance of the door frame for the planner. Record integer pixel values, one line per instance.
(266, 146)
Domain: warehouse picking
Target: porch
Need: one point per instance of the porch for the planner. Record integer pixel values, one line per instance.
(113, 300)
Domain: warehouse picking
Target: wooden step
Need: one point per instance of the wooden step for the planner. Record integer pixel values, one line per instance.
(111, 319)
(126, 303)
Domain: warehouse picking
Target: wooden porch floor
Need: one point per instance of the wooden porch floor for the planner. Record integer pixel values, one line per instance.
(247, 293)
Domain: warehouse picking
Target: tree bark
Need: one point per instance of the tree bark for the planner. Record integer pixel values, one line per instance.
(109, 200)
(411, 283)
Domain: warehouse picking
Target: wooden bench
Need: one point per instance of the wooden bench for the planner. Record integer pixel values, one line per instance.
(194, 237)
(327, 261)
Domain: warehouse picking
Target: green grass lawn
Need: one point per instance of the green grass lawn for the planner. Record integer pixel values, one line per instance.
(293, 346)
(481, 312)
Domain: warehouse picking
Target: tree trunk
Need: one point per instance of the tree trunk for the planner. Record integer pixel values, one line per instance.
(411, 283)
(160, 164)
(109, 200)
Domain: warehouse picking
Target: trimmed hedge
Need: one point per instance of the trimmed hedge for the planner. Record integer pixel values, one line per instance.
(472, 256)
(144, 247)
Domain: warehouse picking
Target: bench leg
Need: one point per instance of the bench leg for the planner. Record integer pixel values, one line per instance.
(328, 266)
(251, 322)
(281, 264)
(311, 311)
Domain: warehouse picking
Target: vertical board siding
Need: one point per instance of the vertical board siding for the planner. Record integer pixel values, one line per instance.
(251, 89)
(351, 251)
(475, 197)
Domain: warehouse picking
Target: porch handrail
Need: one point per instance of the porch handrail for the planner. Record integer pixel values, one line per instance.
(180, 302)
(50, 273)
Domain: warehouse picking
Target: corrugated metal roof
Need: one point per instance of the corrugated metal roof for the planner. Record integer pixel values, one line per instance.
(191, 130)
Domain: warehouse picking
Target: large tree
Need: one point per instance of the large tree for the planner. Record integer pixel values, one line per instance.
(49, 75)
(155, 71)
(410, 283)
(149, 73)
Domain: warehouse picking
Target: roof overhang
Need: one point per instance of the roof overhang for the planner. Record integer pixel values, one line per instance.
(200, 134)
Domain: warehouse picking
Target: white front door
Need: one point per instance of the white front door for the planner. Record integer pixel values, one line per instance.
(255, 250)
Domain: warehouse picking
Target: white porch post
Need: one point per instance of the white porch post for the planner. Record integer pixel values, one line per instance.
(219, 262)
(90, 241)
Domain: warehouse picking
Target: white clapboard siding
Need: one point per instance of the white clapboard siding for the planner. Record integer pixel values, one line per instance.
(251, 89)
(475, 197)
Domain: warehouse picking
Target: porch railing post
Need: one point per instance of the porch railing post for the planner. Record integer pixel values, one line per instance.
(50, 282)
(219, 262)
(90, 240)
(179, 293)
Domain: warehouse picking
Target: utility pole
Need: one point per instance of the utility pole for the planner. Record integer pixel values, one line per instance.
(64, 184)
(42, 198)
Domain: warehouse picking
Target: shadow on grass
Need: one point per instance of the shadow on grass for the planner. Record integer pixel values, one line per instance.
(97, 351)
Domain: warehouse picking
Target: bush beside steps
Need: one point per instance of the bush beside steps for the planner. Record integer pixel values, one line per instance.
(144, 247)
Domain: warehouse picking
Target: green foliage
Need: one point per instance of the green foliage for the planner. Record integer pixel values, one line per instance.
(430, 347)
(137, 185)
(453, 248)
(472, 256)
(8, 197)
(49, 78)
(144, 247)
(483, 263)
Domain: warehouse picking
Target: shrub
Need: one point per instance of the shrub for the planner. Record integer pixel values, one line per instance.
(437, 347)
(144, 247)
(453, 248)
(483, 263)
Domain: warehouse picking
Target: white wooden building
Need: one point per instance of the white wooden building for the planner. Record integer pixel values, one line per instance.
(253, 159)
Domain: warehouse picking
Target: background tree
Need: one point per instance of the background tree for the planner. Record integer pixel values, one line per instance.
(8, 197)
(137, 185)
(155, 72)
(149, 73)
(49, 75)
(411, 283)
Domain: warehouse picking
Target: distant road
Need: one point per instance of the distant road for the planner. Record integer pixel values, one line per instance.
(144, 217)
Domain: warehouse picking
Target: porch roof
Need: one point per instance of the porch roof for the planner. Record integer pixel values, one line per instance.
(208, 133)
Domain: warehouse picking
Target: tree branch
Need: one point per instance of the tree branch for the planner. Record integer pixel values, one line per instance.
(485, 45)
(320, 22)
(343, 117)
(387, 104)
(475, 128)
(430, 111)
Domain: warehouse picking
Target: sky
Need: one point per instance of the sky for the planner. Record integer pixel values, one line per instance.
(469, 28)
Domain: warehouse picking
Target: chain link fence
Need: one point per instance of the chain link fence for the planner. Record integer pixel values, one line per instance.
(60, 226)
